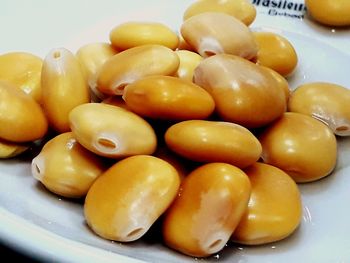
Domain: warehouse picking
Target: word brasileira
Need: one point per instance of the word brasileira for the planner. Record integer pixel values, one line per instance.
(282, 4)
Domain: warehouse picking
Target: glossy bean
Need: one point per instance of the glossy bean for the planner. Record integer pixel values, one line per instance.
(240, 9)
(215, 33)
(329, 12)
(244, 93)
(326, 102)
(210, 141)
(65, 167)
(21, 117)
(275, 52)
(24, 71)
(274, 209)
(133, 64)
(111, 131)
(129, 197)
(211, 202)
(63, 87)
(170, 98)
(133, 34)
(300, 145)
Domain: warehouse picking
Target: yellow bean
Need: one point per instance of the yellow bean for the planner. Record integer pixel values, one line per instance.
(274, 208)
(330, 12)
(244, 93)
(64, 87)
(10, 149)
(111, 131)
(275, 52)
(210, 141)
(188, 62)
(327, 102)
(240, 9)
(215, 33)
(301, 146)
(211, 202)
(133, 34)
(133, 64)
(171, 98)
(65, 167)
(24, 71)
(21, 117)
(129, 197)
(91, 57)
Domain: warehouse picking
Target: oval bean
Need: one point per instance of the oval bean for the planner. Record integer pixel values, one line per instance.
(211, 141)
(63, 87)
(274, 208)
(171, 98)
(301, 146)
(65, 167)
(211, 202)
(129, 197)
(215, 33)
(22, 69)
(21, 117)
(111, 131)
(133, 64)
(275, 52)
(243, 10)
(244, 93)
(329, 12)
(326, 102)
(133, 34)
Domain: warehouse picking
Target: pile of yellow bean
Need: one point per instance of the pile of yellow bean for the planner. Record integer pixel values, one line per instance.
(205, 134)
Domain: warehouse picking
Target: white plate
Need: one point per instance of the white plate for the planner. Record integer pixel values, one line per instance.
(37, 222)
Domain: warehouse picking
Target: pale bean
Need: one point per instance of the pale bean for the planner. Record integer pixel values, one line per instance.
(111, 131)
(215, 33)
